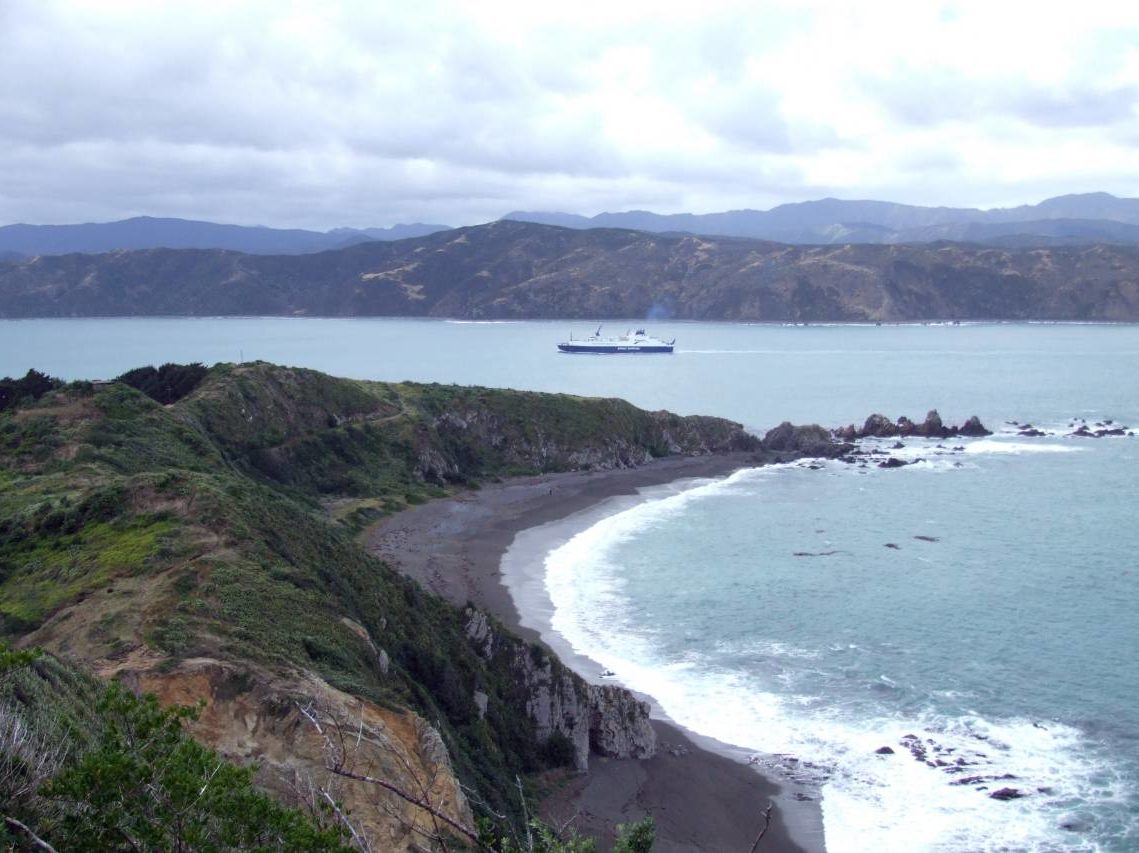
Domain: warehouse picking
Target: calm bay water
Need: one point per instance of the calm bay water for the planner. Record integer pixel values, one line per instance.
(768, 610)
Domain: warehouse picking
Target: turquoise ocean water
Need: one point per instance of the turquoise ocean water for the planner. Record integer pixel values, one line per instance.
(977, 612)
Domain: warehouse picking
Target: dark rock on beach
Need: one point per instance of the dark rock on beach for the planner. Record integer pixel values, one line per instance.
(884, 750)
(893, 462)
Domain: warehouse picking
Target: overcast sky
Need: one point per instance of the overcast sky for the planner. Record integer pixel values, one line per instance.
(372, 113)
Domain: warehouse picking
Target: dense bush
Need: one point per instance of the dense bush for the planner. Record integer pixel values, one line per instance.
(31, 387)
(166, 384)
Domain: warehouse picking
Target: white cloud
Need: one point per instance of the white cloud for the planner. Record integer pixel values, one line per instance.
(312, 114)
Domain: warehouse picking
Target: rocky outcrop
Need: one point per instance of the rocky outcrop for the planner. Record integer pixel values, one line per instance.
(600, 719)
(1100, 429)
(894, 462)
(1006, 794)
(788, 442)
(880, 426)
(810, 440)
(974, 428)
(619, 724)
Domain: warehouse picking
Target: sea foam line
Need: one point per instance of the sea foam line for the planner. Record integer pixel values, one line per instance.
(991, 445)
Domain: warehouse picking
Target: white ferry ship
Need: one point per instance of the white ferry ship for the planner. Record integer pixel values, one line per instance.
(631, 341)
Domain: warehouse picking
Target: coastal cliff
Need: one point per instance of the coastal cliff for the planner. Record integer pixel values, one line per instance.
(519, 270)
(206, 551)
(599, 719)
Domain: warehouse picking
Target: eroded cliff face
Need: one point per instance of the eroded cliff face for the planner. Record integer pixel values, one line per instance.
(295, 728)
(600, 719)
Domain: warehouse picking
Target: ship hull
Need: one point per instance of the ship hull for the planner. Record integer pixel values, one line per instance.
(607, 349)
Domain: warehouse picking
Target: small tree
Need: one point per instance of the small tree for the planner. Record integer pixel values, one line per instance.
(33, 385)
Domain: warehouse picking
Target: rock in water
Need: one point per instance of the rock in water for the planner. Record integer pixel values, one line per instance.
(878, 426)
(974, 428)
(806, 440)
(933, 427)
(1007, 794)
(893, 462)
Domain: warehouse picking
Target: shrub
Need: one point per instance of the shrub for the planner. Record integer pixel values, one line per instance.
(168, 383)
(31, 387)
(147, 785)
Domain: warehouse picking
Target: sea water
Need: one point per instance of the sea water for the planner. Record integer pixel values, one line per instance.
(977, 612)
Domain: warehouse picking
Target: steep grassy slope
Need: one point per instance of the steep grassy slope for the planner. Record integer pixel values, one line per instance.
(195, 549)
(522, 270)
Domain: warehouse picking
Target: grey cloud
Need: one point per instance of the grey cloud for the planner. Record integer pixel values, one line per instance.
(466, 103)
(934, 97)
(1076, 108)
(372, 114)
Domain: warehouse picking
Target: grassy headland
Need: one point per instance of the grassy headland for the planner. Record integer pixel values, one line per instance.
(207, 549)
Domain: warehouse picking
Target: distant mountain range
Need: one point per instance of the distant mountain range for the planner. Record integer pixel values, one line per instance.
(146, 232)
(521, 270)
(1069, 219)
(1065, 220)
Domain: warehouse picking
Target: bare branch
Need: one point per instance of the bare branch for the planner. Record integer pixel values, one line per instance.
(465, 831)
(35, 839)
(361, 842)
(525, 814)
(304, 790)
(335, 763)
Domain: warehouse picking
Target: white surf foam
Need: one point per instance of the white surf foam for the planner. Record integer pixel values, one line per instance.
(1000, 445)
(680, 351)
(871, 801)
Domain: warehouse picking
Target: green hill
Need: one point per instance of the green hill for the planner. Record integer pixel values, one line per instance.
(519, 270)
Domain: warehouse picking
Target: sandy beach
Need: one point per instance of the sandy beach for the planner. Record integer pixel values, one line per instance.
(703, 795)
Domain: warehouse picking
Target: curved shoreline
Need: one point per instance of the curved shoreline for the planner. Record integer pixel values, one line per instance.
(702, 793)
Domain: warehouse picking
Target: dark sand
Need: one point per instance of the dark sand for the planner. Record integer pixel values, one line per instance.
(702, 799)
